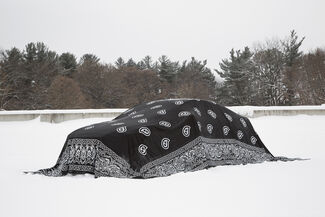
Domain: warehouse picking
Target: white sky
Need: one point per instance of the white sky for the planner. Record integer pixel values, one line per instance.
(179, 29)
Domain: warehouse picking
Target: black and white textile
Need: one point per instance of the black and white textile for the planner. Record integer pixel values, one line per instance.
(160, 138)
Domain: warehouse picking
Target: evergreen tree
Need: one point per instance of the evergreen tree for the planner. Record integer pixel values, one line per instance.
(89, 59)
(146, 63)
(199, 69)
(237, 73)
(292, 55)
(12, 77)
(68, 62)
(119, 63)
(167, 70)
(31, 78)
(196, 79)
(131, 63)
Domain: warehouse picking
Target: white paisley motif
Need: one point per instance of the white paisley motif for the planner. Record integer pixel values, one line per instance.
(199, 125)
(240, 134)
(209, 128)
(179, 102)
(164, 123)
(132, 113)
(228, 117)
(186, 131)
(145, 131)
(156, 106)
(165, 143)
(243, 122)
(253, 140)
(92, 156)
(197, 111)
(116, 124)
(143, 120)
(152, 102)
(121, 129)
(89, 127)
(225, 130)
(142, 149)
(161, 112)
(127, 111)
(212, 114)
(184, 113)
(138, 116)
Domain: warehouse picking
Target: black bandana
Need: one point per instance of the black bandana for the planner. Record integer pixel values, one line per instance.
(160, 138)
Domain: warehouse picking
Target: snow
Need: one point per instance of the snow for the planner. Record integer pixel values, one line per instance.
(61, 111)
(249, 110)
(268, 189)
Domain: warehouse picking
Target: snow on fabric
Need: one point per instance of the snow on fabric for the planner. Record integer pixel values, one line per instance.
(161, 138)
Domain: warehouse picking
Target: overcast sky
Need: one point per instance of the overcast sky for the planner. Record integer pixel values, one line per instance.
(179, 29)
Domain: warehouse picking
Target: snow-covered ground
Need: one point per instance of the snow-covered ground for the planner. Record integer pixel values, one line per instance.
(274, 189)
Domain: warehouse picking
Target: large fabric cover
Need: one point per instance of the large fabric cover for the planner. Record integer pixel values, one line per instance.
(160, 138)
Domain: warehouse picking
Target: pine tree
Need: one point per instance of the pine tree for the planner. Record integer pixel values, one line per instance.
(197, 78)
(291, 55)
(68, 62)
(89, 59)
(146, 63)
(167, 70)
(119, 63)
(131, 63)
(12, 77)
(237, 72)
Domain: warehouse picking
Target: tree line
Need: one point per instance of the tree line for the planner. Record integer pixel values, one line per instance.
(273, 73)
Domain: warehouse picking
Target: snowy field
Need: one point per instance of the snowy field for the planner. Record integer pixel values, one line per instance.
(274, 189)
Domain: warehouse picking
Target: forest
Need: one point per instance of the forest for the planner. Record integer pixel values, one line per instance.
(272, 73)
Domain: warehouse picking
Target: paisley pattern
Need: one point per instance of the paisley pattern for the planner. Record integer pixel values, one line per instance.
(209, 128)
(142, 149)
(161, 112)
(145, 131)
(165, 124)
(243, 122)
(205, 155)
(225, 130)
(161, 138)
(212, 114)
(92, 156)
(121, 129)
(240, 134)
(197, 111)
(165, 143)
(186, 131)
(143, 120)
(184, 114)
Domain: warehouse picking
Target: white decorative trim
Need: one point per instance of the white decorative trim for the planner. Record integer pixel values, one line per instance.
(91, 155)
